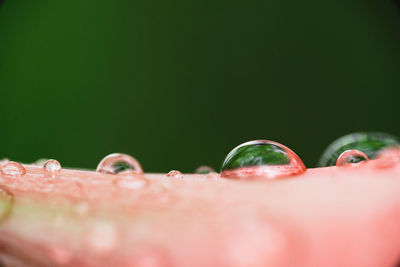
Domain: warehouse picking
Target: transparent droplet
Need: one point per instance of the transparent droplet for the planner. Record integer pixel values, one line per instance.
(204, 170)
(13, 168)
(6, 203)
(119, 163)
(351, 156)
(136, 183)
(175, 174)
(52, 166)
(371, 143)
(261, 159)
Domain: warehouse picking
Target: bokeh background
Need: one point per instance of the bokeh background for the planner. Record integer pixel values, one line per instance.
(178, 84)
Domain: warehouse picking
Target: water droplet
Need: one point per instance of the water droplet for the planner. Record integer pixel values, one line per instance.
(136, 183)
(119, 163)
(175, 174)
(6, 203)
(261, 159)
(204, 170)
(351, 157)
(52, 166)
(370, 143)
(13, 168)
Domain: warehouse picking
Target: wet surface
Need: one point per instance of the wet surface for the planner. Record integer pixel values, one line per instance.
(84, 218)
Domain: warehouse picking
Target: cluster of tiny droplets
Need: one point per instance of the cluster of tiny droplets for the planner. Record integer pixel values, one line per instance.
(258, 158)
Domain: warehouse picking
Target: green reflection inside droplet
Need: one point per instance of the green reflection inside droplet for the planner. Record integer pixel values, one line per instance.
(121, 166)
(355, 159)
(256, 154)
(369, 143)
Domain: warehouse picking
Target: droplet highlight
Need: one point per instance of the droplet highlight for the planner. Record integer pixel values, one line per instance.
(119, 163)
(52, 166)
(175, 174)
(261, 159)
(13, 168)
(370, 143)
(351, 157)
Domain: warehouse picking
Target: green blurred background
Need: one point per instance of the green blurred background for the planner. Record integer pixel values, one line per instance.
(178, 84)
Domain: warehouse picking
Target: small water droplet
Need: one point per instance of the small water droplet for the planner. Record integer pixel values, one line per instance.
(6, 203)
(204, 170)
(52, 166)
(371, 143)
(119, 163)
(13, 168)
(136, 183)
(261, 159)
(351, 157)
(175, 174)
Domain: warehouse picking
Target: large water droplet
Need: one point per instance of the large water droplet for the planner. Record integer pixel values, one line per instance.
(13, 169)
(52, 166)
(369, 143)
(119, 163)
(6, 202)
(261, 159)
(350, 157)
(175, 174)
(204, 170)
